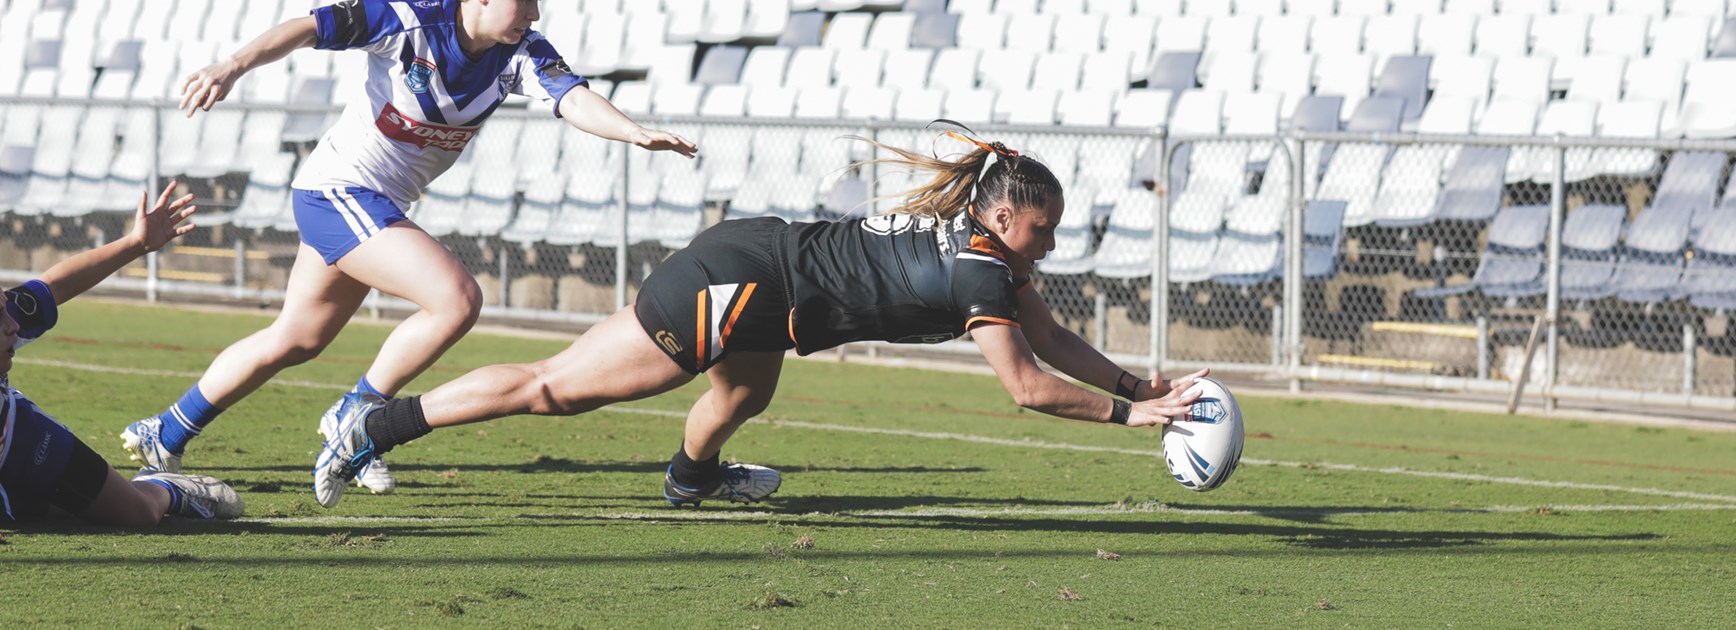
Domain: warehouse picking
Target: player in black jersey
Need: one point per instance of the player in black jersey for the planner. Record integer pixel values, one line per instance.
(954, 258)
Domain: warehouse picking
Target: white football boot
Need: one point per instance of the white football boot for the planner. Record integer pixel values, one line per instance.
(348, 451)
(144, 444)
(202, 496)
(376, 477)
(742, 483)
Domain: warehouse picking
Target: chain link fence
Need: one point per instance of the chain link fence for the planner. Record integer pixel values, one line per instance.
(1424, 261)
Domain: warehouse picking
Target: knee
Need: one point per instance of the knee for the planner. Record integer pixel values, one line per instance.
(750, 406)
(462, 309)
(549, 398)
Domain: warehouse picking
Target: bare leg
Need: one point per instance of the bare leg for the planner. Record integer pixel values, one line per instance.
(317, 304)
(127, 504)
(614, 361)
(406, 262)
(742, 386)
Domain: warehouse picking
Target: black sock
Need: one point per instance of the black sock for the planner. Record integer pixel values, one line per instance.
(697, 475)
(398, 422)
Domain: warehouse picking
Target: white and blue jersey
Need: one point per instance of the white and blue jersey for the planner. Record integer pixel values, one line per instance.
(33, 445)
(425, 101)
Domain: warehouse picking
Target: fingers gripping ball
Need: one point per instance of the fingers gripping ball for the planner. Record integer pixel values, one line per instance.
(1202, 451)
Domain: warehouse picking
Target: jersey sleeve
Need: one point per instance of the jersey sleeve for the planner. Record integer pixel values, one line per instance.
(366, 24)
(32, 306)
(984, 292)
(543, 75)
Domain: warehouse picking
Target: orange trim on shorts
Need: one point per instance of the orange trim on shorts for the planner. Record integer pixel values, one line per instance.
(739, 305)
(793, 328)
(991, 320)
(699, 340)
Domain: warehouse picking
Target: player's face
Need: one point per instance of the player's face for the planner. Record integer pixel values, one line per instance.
(8, 334)
(1029, 234)
(510, 19)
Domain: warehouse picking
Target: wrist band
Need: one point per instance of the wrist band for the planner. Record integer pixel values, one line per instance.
(1119, 414)
(1121, 387)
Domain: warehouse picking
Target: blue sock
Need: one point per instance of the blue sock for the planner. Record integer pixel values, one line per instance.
(176, 497)
(184, 420)
(364, 387)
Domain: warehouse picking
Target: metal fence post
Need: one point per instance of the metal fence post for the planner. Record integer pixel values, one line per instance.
(621, 247)
(1159, 319)
(1557, 213)
(1690, 365)
(151, 277)
(1293, 280)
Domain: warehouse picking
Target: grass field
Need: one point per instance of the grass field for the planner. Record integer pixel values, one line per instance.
(913, 497)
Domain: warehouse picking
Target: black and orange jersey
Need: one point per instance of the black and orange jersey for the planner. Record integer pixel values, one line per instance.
(897, 278)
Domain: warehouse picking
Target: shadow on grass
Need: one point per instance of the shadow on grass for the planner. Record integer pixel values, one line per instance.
(562, 464)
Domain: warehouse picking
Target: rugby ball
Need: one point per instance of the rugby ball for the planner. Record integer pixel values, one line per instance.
(1203, 450)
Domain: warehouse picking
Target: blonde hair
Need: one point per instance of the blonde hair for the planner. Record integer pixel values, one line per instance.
(1022, 181)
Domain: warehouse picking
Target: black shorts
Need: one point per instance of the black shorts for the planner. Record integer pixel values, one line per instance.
(725, 292)
(48, 465)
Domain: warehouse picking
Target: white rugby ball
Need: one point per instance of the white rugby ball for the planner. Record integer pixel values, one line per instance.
(1203, 450)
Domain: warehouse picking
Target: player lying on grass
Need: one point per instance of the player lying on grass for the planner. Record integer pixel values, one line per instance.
(436, 70)
(43, 464)
(955, 258)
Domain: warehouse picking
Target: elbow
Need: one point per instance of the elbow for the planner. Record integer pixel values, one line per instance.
(1028, 394)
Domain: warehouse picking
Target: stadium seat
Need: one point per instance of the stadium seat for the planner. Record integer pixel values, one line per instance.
(1709, 280)
(603, 42)
(1034, 106)
(1126, 250)
(1447, 36)
(590, 198)
(726, 159)
(811, 67)
(132, 165)
(722, 21)
(1086, 108)
(1336, 35)
(1464, 77)
(1058, 71)
(1563, 38)
(765, 66)
(1364, 8)
(267, 195)
(891, 31)
(51, 164)
(1588, 250)
(1133, 35)
(1526, 7)
(537, 152)
(537, 212)
(1598, 80)
(1627, 119)
(1568, 118)
(1648, 8)
(1725, 45)
(1511, 264)
(1180, 34)
(721, 65)
(1175, 71)
(1107, 70)
(1525, 79)
(1073, 250)
(1231, 72)
(1406, 77)
(1690, 182)
(1322, 238)
(848, 32)
(970, 106)
(633, 97)
(846, 198)
(679, 212)
(1194, 221)
(855, 5)
(1353, 176)
(1653, 255)
(1706, 108)
(219, 145)
(802, 29)
(93, 151)
(819, 102)
(1683, 37)
(907, 69)
(869, 103)
(954, 69)
(1011, 70)
(724, 101)
(490, 206)
(934, 30)
(671, 65)
(1472, 190)
(919, 105)
(1034, 32)
(981, 31)
(1250, 245)
(1078, 32)
(765, 20)
(1624, 35)
(1503, 36)
(1345, 76)
(861, 68)
(643, 189)
(1468, 7)
(1390, 35)
(441, 207)
(1508, 117)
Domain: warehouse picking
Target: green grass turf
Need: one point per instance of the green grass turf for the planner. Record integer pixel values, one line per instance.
(558, 522)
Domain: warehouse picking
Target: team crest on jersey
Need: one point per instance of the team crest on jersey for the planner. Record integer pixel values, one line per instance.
(417, 77)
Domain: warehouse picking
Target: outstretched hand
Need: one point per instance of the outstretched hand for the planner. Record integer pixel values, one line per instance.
(1173, 406)
(157, 224)
(202, 89)
(1151, 390)
(654, 140)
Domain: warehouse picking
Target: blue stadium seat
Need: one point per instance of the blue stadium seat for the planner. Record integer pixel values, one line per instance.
(1473, 188)
(1653, 255)
(721, 65)
(1710, 278)
(1511, 264)
(1406, 78)
(803, 29)
(1322, 238)
(1589, 240)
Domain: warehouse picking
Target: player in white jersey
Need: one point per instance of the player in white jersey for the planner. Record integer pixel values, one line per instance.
(436, 70)
(42, 463)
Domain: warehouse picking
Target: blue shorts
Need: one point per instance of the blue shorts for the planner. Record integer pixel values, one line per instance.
(47, 465)
(334, 221)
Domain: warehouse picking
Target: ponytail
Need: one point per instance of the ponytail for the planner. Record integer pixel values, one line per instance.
(1023, 181)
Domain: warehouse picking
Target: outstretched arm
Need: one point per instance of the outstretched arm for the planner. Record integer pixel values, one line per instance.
(1062, 348)
(589, 112)
(153, 227)
(202, 89)
(1035, 389)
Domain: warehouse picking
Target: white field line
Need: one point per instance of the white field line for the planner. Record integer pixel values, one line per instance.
(979, 439)
(335, 520)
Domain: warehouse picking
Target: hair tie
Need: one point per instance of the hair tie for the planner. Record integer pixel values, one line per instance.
(996, 148)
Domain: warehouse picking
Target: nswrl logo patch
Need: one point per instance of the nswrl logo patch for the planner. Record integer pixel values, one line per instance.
(1207, 410)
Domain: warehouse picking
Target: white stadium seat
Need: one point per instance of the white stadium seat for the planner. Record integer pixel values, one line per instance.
(891, 31)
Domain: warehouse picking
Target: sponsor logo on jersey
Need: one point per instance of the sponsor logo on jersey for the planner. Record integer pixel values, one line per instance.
(667, 340)
(554, 69)
(417, 76)
(405, 129)
(42, 449)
